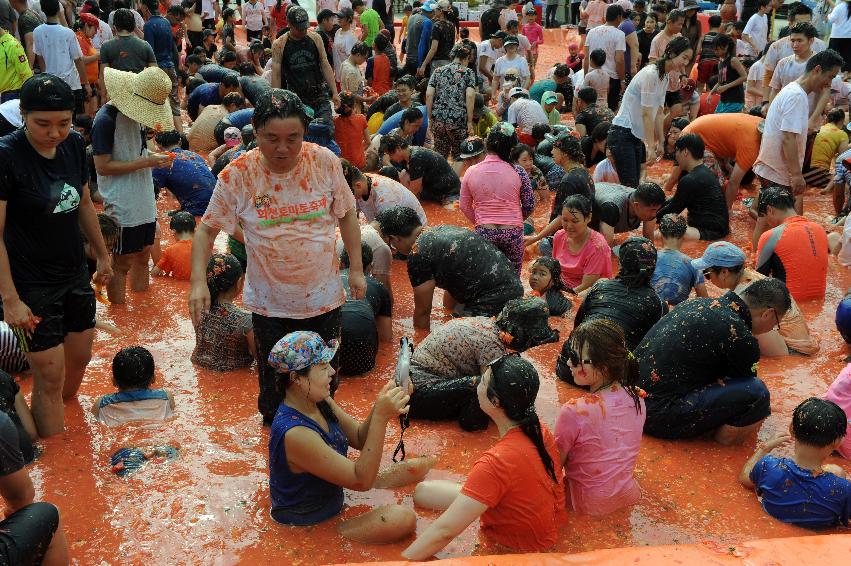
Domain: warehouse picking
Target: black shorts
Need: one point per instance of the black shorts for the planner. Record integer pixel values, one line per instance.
(711, 234)
(79, 101)
(440, 398)
(672, 98)
(65, 308)
(134, 239)
(736, 402)
(582, 30)
(26, 534)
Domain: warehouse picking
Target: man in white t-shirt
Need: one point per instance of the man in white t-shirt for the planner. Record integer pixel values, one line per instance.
(755, 33)
(58, 52)
(613, 41)
(783, 48)
(784, 138)
(488, 52)
(791, 68)
(525, 113)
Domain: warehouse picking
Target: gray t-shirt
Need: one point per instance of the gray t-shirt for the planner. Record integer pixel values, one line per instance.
(127, 53)
(27, 22)
(129, 198)
(7, 15)
(613, 202)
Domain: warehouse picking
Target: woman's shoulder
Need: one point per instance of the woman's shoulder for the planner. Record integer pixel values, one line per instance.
(599, 242)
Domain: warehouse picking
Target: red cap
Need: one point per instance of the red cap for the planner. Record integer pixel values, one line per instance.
(89, 19)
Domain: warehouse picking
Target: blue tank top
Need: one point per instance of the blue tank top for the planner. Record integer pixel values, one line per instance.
(301, 499)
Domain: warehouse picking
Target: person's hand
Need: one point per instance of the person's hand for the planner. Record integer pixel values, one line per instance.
(651, 155)
(357, 284)
(392, 401)
(779, 439)
(103, 273)
(160, 160)
(18, 315)
(797, 184)
(471, 128)
(531, 240)
(420, 72)
(199, 301)
(335, 100)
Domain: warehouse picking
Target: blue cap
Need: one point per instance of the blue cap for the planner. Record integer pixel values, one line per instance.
(427, 7)
(299, 350)
(720, 254)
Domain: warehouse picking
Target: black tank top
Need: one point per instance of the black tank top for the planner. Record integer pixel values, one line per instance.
(726, 75)
(301, 71)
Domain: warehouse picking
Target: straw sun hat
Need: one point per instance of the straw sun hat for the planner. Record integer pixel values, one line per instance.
(142, 97)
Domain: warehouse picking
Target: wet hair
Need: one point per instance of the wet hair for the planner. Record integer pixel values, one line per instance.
(675, 48)
(818, 422)
(176, 11)
(277, 103)
(182, 222)
(365, 254)
(167, 138)
(194, 60)
(650, 194)
(613, 12)
(406, 80)
(380, 43)
(246, 69)
(460, 51)
(600, 132)
(230, 80)
(360, 48)
(133, 368)
(598, 57)
(804, 28)
(836, 115)
(800, 9)
(501, 139)
(570, 146)
(756, 111)
(398, 221)
(827, 59)
(637, 258)
(123, 20)
(514, 384)
(50, 7)
(673, 226)
(410, 115)
(152, 5)
(680, 123)
(539, 131)
(464, 33)
(724, 42)
(608, 351)
(392, 142)
(223, 273)
(715, 21)
(692, 143)
(227, 13)
(577, 203)
(768, 293)
(233, 98)
(552, 265)
(227, 57)
(351, 172)
(675, 15)
(84, 122)
(390, 172)
(587, 94)
(518, 150)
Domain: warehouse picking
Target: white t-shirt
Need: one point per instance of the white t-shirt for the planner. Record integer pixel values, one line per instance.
(59, 47)
(137, 17)
(578, 80)
(844, 256)
(208, 12)
(11, 111)
(103, 34)
(789, 112)
(783, 48)
(599, 81)
(343, 43)
(757, 30)
(252, 16)
(503, 64)
(788, 69)
(840, 22)
(645, 90)
(755, 76)
(744, 49)
(610, 39)
(526, 114)
(485, 50)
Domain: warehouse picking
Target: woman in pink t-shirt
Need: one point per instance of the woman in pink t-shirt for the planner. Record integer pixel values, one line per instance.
(840, 393)
(497, 195)
(599, 435)
(582, 252)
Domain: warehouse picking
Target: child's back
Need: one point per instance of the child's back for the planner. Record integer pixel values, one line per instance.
(674, 276)
(349, 133)
(177, 260)
(797, 496)
(599, 81)
(221, 342)
(134, 405)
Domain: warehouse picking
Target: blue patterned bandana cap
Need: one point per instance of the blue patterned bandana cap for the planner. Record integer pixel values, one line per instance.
(299, 350)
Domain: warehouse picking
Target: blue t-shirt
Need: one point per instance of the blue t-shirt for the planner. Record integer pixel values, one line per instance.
(206, 94)
(425, 41)
(241, 118)
(158, 34)
(536, 92)
(395, 121)
(189, 179)
(793, 495)
(675, 276)
(627, 27)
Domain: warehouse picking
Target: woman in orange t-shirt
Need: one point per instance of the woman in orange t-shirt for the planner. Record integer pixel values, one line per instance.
(515, 487)
(91, 56)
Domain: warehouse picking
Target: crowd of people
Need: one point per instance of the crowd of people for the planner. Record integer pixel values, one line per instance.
(313, 148)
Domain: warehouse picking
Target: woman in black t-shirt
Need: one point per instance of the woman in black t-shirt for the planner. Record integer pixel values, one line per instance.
(44, 283)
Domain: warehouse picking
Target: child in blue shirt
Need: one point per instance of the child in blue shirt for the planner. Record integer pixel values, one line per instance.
(803, 490)
(133, 375)
(674, 276)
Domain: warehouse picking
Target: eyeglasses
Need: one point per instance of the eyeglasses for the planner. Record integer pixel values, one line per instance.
(574, 359)
(776, 318)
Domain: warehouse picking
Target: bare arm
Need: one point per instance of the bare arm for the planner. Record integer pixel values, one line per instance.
(463, 511)
(619, 64)
(587, 281)
(632, 43)
(745, 475)
(28, 46)
(350, 232)
(202, 249)
(106, 165)
(471, 104)
(90, 227)
(277, 53)
(423, 296)
(26, 417)
(608, 232)
(81, 69)
(384, 325)
(550, 229)
(429, 56)
(327, 70)
(789, 150)
(648, 227)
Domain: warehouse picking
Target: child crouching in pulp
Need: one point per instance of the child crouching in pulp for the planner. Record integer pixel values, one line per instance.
(803, 490)
(545, 281)
(133, 375)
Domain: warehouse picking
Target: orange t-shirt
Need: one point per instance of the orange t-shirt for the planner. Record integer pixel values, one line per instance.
(729, 136)
(88, 49)
(796, 252)
(177, 260)
(525, 506)
(381, 82)
(348, 131)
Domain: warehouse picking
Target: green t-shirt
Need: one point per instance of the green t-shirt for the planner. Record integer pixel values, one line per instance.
(485, 123)
(372, 21)
(540, 87)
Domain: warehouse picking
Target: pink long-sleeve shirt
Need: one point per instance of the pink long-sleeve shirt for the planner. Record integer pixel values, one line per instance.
(494, 192)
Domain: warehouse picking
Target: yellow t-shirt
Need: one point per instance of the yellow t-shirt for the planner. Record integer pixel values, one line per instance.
(16, 70)
(826, 145)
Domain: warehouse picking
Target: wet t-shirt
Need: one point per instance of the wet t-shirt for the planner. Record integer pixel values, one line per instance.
(289, 221)
(189, 179)
(795, 495)
(470, 268)
(11, 459)
(635, 310)
(42, 233)
(359, 315)
(386, 193)
(675, 276)
(612, 202)
(699, 192)
(439, 179)
(300, 70)
(459, 348)
(697, 344)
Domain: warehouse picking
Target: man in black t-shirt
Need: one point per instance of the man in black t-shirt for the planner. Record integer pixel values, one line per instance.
(698, 191)
(477, 278)
(489, 20)
(429, 175)
(698, 364)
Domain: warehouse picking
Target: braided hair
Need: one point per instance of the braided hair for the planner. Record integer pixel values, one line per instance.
(514, 384)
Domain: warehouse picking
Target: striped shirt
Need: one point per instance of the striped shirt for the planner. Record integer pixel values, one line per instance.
(12, 358)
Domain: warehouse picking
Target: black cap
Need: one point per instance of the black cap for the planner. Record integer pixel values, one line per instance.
(324, 15)
(209, 32)
(46, 93)
(499, 34)
(472, 147)
(297, 17)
